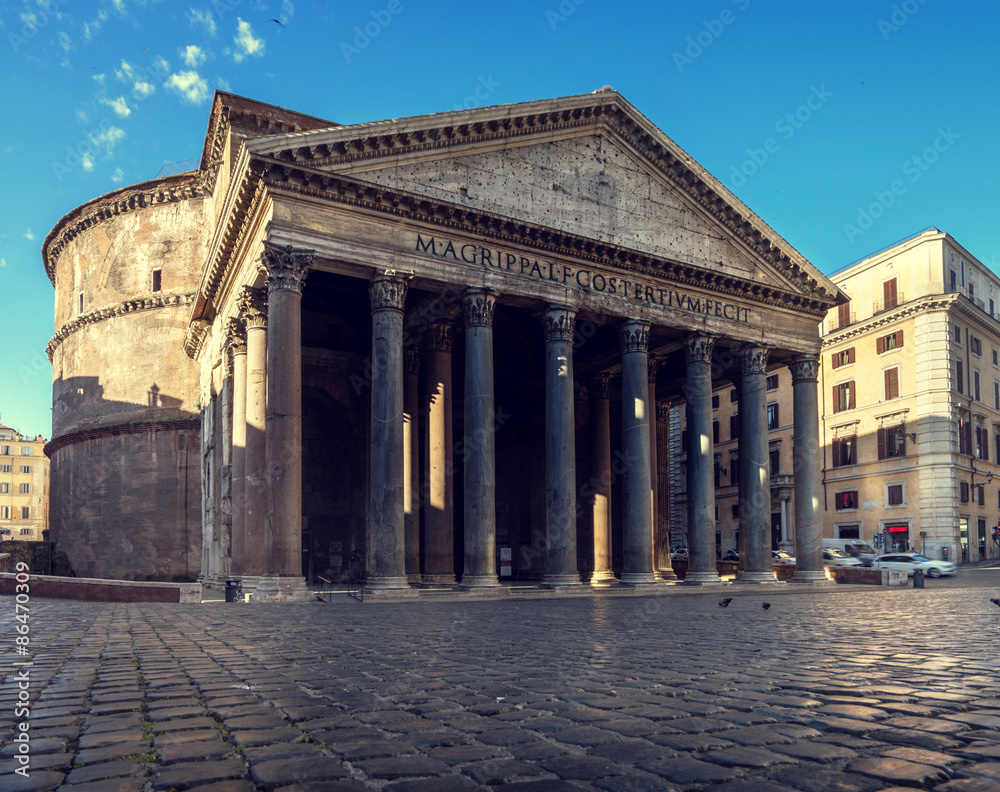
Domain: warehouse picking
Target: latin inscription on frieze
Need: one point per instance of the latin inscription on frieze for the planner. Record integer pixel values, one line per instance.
(578, 277)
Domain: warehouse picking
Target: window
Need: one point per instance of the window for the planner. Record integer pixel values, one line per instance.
(25, 450)
(891, 442)
(976, 345)
(843, 396)
(772, 382)
(996, 398)
(4, 487)
(715, 432)
(954, 281)
(963, 491)
(894, 495)
(734, 468)
(975, 385)
(972, 291)
(845, 451)
(996, 357)
(157, 281)
(5, 468)
(890, 297)
(24, 489)
(957, 334)
(4, 512)
(964, 434)
(981, 494)
(25, 532)
(715, 401)
(891, 383)
(982, 443)
(716, 512)
(959, 376)
(992, 307)
(734, 427)
(718, 471)
(844, 314)
(772, 416)
(774, 460)
(843, 358)
(25, 468)
(733, 396)
(735, 511)
(80, 308)
(26, 514)
(849, 531)
(889, 342)
(996, 447)
(846, 500)
(5, 450)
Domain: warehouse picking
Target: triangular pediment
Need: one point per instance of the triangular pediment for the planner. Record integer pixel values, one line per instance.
(591, 166)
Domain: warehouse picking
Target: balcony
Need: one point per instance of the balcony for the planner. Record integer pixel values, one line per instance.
(885, 305)
(841, 321)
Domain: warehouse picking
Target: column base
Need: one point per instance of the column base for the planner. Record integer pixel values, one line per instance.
(414, 578)
(667, 575)
(248, 584)
(602, 578)
(383, 582)
(281, 588)
(702, 579)
(638, 578)
(756, 577)
(434, 581)
(478, 582)
(561, 580)
(804, 576)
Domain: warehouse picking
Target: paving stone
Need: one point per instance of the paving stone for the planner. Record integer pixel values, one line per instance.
(97, 739)
(585, 735)
(450, 783)
(919, 739)
(985, 770)
(107, 785)
(751, 785)
(105, 770)
(179, 724)
(37, 746)
(582, 768)
(117, 751)
(459, 754)
(169, 713)
(543, 785)
(266, 736)
(921, 756)
(898, 771)
(326, 786)
(690, 742)
(686, 770)
(632, 752)
(186, 773)
(265, 753)
(968, 785)
(39, 781)
(253, 722)
(286, 771)
(819, 779)
(194, 749)
(815, 751)
(226, 786)
(500, 771)
(373, 749)
(52, 761)
(394, 767)
(934, 725)
(131, 720)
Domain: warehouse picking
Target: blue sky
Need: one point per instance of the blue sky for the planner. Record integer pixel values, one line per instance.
(846, 126)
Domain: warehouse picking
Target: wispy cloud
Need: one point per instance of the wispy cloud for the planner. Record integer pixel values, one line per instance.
(287, 11)
(247, 44)
(119, 105)
(87, 163)
(202, 19)
(3, 262)
(137, 78)
(189, 85)
(117, 176)
(109, 138)
(193, 56)
(28, 235)
(65, 41)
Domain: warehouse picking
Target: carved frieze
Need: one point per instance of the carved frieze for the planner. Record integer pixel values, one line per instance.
(558, 323)
(634, 336)
(285, 267)
(252, 305)
(387, 292)
(699, 348)
(478, 306)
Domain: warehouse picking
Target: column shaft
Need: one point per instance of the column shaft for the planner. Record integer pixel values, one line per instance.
(439, 502)
(806, 468)
(254, 308)
(560, 449)
(600, 479)
(239, 470)
(386, 535)
(411, 466)
(700, 463)
(756, 564)
(638, 512)
(480, 449)
(662, 561)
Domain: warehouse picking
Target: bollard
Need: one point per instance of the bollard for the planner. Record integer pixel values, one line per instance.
(232, 589)
(918, 579)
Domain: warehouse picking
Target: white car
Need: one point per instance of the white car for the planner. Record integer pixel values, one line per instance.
(835, 558)
(781, 558)
(912, 561)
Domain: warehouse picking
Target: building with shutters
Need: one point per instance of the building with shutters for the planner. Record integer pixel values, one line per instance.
(24, 487)
(910, 400)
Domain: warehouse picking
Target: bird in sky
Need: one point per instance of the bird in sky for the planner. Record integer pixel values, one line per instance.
(765, 605)
(724, 602)
(277, 22)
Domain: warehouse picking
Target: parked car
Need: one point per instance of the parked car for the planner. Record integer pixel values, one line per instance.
(913, 561)
(836, 558)
(781, 558)
(731, 555)
(679, 552)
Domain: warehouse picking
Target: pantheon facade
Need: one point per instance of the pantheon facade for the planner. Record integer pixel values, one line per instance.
(433, 351)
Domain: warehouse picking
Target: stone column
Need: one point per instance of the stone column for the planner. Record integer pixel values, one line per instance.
(756, 564)
(252, 303)
(560, 449)
(806, 468)
(233, 336)
(411, 466)
(661, 520)
(439, 502)
(638, 512)
(786, 542)
(284, 269)
(700, 462)
(480, 444)
(600, 478)
(386, 530)
(237, 340)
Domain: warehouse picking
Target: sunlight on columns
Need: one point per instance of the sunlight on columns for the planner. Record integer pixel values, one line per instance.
(640, 409)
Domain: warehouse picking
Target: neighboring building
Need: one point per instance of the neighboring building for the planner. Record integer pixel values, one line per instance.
(24, 487)
(417, 350)
(911, 394)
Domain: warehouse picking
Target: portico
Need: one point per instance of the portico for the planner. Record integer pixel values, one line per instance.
(445, 360)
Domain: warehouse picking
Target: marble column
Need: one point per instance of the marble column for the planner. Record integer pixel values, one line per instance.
(756, 564)
(411, 465)
(480, 443)
(237, 340)
(560, 449)
(439, 500)
(806, 468)
(600, 478)
(661, 518)
(637, 567)
(284, 270)
(786, 542)
(386, 534)
(252, 303)
(700, 462)
(233, 337)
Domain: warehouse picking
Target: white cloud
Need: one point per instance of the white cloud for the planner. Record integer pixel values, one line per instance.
(99, 79)
(117, 176)
(225, 85)
(161, 65)
(82, 117)
(141, 87)
(203, 19)
(28, 235)
(87, 162)
(193, 56)
(29, 19)
(3, 262)
(247, 44)
(189, 85)
(119, 105)
(108, 139)
(65, 41)
(287, 11)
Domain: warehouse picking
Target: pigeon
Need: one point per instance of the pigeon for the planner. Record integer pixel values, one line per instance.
(724, 602)
(995, 601)
(765, 605)
(277, 22)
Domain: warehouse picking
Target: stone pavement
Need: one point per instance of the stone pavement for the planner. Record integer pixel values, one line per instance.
(849, 688)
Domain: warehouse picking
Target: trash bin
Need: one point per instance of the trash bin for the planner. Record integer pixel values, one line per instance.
(232, 589)
(918, 579)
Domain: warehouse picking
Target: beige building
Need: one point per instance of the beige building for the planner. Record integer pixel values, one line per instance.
(24, 487)
(910, 399)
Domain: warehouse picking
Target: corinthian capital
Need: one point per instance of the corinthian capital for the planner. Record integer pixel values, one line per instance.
(558, 322)
(478, 306)
(235, 338)
(285, 267)
(634, 335)
(252, 305)
(699, 348)
(387, 292)
(805, 369)
(441, 336)
(753, 359)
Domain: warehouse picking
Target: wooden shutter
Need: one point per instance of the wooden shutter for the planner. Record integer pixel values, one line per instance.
(880, 345)
(836, 398)
(850, 355)
(850, 395)
(836, 452)
(889, 293)
(835, 360)
(881, 442)
(899, 338)
(844, 314)
(968, 437)
(891, 383)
